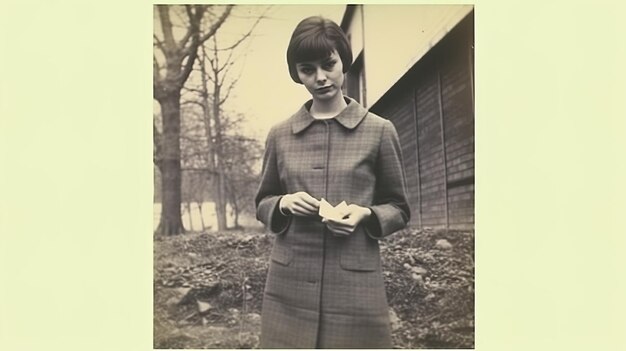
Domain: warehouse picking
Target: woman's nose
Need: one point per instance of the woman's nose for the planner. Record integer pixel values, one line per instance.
(320, 75)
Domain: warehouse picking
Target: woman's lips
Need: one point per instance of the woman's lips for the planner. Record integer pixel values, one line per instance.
(324, 89)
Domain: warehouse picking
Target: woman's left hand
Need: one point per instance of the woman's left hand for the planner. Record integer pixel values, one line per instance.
(346, 226)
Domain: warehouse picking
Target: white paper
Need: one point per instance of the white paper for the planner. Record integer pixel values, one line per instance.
(329, 211)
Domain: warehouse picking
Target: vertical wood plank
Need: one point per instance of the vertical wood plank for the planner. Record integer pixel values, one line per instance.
(417, 155)
(443, 146)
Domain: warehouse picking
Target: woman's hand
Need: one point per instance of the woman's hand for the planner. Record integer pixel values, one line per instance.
(299, 204)
(355, 214)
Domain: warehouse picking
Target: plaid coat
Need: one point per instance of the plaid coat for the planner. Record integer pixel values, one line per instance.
(321, 290)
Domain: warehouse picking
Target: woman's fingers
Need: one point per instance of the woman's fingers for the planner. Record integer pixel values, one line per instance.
(301, 204)
(339, 231)
(303, 209)
(307, 207)
(309, 200)
(344, 227)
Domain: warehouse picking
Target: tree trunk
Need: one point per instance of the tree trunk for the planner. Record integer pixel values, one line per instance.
(188, 206)
(170, 223)
(236, 213)
(220, 200)
(233, 202)
(220, 203)
(201, 216)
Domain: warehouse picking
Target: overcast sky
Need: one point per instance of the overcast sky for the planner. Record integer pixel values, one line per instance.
(265, 93)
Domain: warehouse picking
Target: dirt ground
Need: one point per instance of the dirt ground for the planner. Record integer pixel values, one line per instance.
(208, 288)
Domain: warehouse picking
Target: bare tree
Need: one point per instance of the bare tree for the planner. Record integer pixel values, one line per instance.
(241, 156)
(169, 76)
(217, 84)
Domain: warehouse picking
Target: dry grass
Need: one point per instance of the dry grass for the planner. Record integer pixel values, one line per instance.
(430, 289)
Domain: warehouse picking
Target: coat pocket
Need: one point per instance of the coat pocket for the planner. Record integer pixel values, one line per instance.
(361, 262)
(360, 253)
(281, 253)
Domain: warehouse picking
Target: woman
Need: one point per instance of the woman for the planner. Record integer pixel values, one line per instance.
(324, 287)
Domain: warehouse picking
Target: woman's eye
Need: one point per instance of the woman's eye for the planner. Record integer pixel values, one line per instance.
(306, 70)
(329, 65)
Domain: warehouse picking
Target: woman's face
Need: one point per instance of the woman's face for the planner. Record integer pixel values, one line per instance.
(322, 78)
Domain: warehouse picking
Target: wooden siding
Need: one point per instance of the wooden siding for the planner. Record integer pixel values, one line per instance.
(459, 130)
(402, 116)
(432, 108)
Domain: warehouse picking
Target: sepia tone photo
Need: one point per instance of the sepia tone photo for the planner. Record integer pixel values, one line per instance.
(314, 176)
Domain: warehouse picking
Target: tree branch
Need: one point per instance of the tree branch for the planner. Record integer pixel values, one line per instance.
(217, 24)
(228, 63)
(191, 102)
(156, 70)
(158, 42)
(241, 40)
(166, 26)
(190, 28)
(195, 90)
(156, 77)
(228, 90)
(189, 63)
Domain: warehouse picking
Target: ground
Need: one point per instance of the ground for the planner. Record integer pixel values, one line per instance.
(208, 288)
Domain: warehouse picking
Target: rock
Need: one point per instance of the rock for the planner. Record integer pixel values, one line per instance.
(254, 317)
(429, 297)
(418, 278)
(172, 301)
(396, 322)
(443, 244)
(177, 296)
(203, 307)
(407, 266)
(419, 270)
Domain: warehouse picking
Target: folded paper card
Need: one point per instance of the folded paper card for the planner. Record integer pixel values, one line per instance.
(329, 211)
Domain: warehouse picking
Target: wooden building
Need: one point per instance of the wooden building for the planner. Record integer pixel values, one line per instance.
(414, 65)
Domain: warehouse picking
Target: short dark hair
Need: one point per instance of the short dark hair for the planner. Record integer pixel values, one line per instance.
(315, 38)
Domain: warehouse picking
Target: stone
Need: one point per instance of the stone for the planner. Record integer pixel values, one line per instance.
(396, 322)
(254, 317)
(418, 278)
(419, 270)
(203, 307)
(443, 244)
(177, 296)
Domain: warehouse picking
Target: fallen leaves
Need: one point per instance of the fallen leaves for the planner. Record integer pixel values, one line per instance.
(209, 287)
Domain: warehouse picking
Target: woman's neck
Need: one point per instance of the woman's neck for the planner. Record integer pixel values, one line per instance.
(328, 109)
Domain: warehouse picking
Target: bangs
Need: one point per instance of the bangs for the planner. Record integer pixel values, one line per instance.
(313, 48)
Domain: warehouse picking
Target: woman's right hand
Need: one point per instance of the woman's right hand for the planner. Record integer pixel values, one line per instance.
(299, 204)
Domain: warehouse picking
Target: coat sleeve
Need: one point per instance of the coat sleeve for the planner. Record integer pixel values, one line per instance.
(270, 191)
(390, 210)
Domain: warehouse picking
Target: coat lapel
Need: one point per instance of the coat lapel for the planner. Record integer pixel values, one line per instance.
(349, 118)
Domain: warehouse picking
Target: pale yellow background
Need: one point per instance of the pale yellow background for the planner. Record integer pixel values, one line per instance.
(76, 175)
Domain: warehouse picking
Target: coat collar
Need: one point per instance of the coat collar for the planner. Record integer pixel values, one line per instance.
(350, 117)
